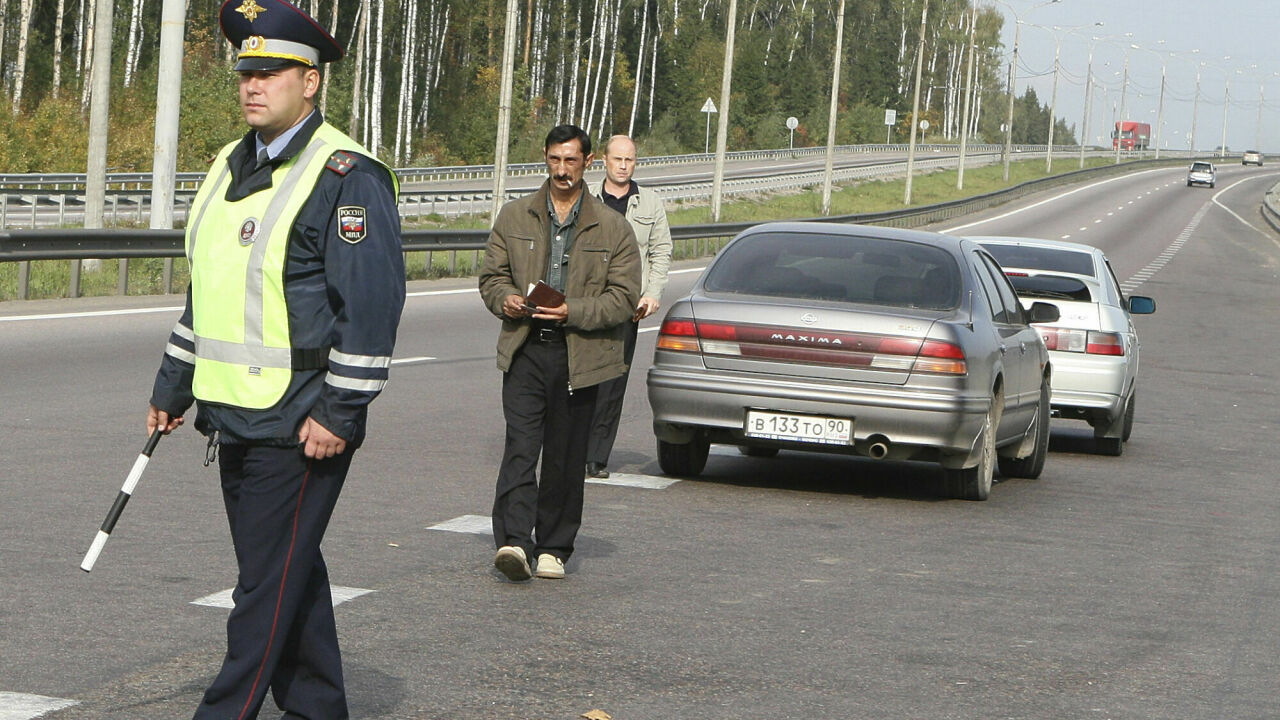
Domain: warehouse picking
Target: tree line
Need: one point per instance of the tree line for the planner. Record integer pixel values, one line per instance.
(420, 81)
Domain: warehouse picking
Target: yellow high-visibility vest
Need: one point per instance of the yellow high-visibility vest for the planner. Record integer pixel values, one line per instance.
(237, 251)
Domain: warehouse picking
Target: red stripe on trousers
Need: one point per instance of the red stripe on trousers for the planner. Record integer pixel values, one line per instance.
(275, 619)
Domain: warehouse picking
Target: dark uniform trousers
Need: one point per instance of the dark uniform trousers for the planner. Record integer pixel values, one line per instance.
(542, 515)
(608, 410)
(281, 634)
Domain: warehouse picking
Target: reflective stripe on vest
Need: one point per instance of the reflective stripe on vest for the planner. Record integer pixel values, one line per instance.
(237, 252)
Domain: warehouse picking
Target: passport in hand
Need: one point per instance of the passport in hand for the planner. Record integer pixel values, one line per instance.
(543, 295)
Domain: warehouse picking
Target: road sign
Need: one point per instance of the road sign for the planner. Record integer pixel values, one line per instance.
(890, 117)
(792, 123)
(708, 107)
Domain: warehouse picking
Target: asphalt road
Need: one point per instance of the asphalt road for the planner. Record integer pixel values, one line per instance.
(801, 586)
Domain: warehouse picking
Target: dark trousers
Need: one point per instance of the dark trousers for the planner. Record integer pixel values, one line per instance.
(281, 634)
(542, 515)
(608, 410)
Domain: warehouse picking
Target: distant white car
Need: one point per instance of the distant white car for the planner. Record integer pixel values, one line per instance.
(1202, 173)
(1093, 345)
(1251, 157)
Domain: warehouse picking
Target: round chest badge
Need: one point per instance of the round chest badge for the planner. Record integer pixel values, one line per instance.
(249, 231)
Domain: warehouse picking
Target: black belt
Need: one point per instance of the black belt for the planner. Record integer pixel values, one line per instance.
(547, 334)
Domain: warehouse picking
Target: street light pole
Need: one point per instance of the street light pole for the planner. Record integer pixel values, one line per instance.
(1124, 87)
(1053, 103)
(1008, 122)
(1226, 105)
(968, 94)
(915, 105)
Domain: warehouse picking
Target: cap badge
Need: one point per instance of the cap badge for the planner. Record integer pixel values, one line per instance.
(253, 42)
(250, 10)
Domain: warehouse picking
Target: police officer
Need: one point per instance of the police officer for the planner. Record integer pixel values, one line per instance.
(297, 283)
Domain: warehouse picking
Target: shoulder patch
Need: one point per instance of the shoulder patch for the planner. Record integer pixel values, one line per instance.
(351, 223)
(341, 162)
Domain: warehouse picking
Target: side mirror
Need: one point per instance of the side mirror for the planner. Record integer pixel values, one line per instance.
(1043, 312)
(1141, 305)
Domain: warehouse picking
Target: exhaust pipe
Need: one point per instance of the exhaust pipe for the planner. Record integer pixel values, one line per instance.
(878, 450)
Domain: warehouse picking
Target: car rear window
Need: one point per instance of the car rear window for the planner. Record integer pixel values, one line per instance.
(839, 268)
(1201, 167)
(1038, 258)
(1050, 287)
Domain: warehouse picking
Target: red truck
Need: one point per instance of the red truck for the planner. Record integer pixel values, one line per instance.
(1131, 135)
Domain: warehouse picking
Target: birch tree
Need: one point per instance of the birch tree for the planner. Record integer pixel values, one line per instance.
(57, 46)
(135, 42)
(20, 67)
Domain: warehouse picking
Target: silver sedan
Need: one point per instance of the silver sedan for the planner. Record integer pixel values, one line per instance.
(1094, 344)
(892, 344)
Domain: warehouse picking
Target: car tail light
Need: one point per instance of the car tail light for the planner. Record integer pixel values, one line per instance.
(1092, 342)
(813, 347)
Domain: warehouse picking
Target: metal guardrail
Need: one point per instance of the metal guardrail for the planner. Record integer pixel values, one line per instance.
(129, 200)
(1271, 207)
(77, 244)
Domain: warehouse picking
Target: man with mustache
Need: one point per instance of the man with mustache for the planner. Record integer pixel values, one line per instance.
(297, 282)
(579, 259)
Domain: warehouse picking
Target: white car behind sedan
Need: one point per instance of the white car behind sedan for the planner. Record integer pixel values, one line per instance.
(1093, 345)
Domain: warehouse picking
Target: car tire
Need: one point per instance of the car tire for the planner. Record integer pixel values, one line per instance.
(1128, 416)
(1031, 466)
(974, 483)
(756, 451)
(684, 459)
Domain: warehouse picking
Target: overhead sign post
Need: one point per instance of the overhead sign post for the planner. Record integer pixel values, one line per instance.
(890, 119)
(708, 107)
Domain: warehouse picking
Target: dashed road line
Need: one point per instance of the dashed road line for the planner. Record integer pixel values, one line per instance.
(223, 600)
(24, 706)
(1153, 267)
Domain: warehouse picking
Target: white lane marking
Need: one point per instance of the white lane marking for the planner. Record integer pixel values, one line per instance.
(473, 524)
(410, 360)
(646, 482)
(1253, 227)
(428, 293)
(1055, 198)
(222, 599)
(95, 313)
(24, 706)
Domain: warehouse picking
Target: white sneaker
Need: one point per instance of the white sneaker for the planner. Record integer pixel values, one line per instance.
(550, 567)
(511, 561)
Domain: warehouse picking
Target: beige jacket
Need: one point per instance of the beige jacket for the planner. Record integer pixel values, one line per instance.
(648, 219)
(601, 290)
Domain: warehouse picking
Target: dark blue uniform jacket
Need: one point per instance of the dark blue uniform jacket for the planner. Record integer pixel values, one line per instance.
(341, 296)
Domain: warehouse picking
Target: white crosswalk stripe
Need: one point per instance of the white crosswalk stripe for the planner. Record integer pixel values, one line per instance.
(222, 599)
(647, 482)
(474, 524)
(23, 706)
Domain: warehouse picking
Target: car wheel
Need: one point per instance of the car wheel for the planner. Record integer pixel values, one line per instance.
(1188, 183)
(684, 459)
(756, 451)
(1030, 466)
(1128, 416)
(974, 483)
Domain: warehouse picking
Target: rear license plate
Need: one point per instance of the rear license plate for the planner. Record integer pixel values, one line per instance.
(799, 428)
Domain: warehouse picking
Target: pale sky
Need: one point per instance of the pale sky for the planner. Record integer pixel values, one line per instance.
(1237, 40)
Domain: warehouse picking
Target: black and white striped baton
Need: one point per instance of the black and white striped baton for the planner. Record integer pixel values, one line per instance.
(122, 499)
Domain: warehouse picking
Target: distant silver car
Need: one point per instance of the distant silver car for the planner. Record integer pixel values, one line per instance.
(1093, 345)
(888, 343)
(1202, 173)
(1251, 157)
